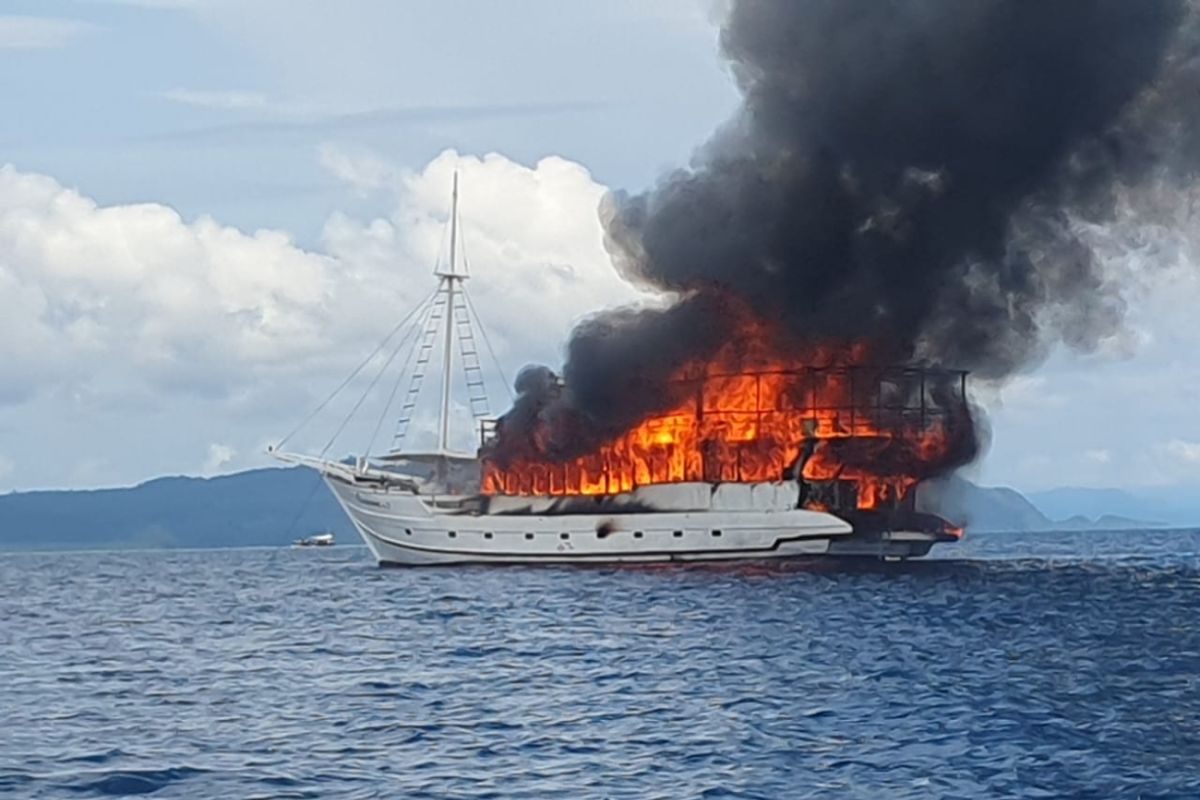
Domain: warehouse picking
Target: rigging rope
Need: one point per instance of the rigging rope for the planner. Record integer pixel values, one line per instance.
(357, 370)
(488, 342)
(300, 509)
(419, 328)
(366, 393)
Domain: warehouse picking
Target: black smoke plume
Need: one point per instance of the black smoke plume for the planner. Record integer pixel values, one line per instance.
(907, 172)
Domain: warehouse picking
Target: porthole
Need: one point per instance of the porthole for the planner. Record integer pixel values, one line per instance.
(529, 536)
(716, 533)
(408, 531)
(678, 534)
(487, 535)
(564, 536)
(452, 534)
(638, 534)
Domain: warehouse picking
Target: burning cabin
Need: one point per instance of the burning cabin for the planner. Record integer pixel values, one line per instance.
(856, 439)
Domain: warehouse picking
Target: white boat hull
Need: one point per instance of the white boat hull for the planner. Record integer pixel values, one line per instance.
(401, 529)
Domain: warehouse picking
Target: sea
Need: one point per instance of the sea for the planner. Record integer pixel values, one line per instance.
(1009, 666)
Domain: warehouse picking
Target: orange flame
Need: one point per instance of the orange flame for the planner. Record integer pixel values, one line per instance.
(750, 425)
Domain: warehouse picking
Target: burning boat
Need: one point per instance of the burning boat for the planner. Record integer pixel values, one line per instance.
(904, 186)
(751, 455)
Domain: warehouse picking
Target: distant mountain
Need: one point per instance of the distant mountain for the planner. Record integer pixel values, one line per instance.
(983, 508)
(275, 506)
(1170, 506)
(1068, 502)
(257, 507)
(1105, 522)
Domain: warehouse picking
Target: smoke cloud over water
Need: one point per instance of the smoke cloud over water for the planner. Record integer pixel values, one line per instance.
(909, 174)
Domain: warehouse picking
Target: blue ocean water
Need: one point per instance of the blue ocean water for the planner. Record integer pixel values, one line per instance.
(1051, 665)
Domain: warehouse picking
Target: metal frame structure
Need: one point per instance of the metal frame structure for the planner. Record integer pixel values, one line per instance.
(920, 379)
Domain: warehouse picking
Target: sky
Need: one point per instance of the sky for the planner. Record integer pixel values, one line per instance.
(212, 210)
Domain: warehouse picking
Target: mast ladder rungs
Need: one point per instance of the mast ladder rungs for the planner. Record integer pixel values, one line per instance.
(424, 355)
(472, 367)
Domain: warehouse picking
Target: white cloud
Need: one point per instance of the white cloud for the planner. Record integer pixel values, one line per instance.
(1098, 456)
(220, 456)
(360, 169)
(94, 295)
(1188, 452)
(127, 311)
(531, 238)
(19, 32)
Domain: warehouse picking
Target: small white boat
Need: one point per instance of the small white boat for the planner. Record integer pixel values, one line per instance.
(316, 540)
(429, 508)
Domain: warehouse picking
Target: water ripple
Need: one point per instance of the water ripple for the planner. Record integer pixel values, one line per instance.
(1018, 666)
